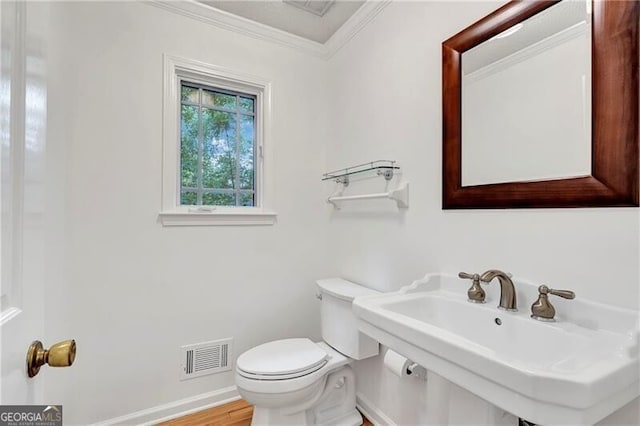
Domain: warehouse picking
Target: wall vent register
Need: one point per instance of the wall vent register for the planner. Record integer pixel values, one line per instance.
(205, 358)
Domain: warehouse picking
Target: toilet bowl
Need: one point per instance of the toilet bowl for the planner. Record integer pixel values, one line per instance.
(299, 382)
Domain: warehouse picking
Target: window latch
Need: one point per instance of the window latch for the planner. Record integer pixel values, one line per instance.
(201, 209)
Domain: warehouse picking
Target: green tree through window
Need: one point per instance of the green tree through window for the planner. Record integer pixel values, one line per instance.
(217, 147)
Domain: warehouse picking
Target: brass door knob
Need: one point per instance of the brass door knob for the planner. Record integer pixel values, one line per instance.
(62, 354)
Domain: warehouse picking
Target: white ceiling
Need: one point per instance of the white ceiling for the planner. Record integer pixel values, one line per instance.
(291, 19)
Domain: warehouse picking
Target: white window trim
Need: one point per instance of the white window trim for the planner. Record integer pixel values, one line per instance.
(172, 213)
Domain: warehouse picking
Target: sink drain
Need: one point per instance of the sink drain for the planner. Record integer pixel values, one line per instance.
(498, 321)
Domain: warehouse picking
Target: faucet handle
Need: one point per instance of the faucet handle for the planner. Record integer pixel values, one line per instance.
(542, 309)
(567, 294)
(475, 293)
(467, 276)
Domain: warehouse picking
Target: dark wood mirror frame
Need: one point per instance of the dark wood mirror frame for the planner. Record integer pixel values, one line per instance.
(614, 156)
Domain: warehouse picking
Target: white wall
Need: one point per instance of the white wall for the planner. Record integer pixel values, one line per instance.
(387, 83)
(132, 291)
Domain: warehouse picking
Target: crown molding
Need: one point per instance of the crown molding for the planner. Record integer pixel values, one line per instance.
(354, 25)
(228, 21)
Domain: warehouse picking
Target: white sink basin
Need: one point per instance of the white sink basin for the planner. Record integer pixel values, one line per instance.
(577, 370)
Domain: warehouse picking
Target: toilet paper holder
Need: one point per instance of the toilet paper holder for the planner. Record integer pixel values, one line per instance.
(402, 366)
(416, 370)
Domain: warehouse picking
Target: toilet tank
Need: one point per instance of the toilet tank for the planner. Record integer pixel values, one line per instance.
(339, 324)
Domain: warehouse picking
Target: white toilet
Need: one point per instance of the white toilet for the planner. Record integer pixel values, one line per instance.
(299, 382)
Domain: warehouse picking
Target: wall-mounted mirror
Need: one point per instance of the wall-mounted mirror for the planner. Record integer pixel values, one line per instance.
(540, 104)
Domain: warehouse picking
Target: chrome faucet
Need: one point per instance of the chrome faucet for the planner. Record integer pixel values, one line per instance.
(507, 290)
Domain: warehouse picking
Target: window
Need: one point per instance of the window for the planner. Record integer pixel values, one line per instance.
(215, 144)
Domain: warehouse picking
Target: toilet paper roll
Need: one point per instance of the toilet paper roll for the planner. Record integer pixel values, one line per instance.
(396, 363)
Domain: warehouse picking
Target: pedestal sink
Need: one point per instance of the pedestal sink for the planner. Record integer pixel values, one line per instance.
(576, 370)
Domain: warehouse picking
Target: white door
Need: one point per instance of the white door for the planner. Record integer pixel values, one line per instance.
(22, 137)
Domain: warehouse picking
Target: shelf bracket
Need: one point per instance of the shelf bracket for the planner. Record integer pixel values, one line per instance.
(400, 195)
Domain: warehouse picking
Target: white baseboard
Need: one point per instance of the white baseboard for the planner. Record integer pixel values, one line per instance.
(183, 407)
(175, 409)
(371, 412)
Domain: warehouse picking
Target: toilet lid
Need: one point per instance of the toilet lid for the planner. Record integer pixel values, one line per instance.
(282, 357)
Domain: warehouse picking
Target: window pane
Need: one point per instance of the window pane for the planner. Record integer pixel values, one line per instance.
(246, 200)
(219, 149)
(189, 198)
(246, 105)
(247, 135)
(189, 146)
(218, 137)
(218, 99)
(189, 94)
(218, 199)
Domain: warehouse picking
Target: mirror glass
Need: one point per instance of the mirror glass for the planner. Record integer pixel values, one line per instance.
(526, 100)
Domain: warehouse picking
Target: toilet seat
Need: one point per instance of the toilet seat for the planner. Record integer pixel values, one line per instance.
(279, 385)
(282, 360)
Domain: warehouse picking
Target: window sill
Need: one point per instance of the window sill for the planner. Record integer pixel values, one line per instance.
(242, 217)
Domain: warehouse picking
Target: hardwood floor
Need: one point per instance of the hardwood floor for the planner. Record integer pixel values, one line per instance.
(237, 413)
